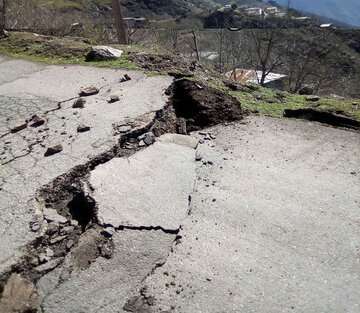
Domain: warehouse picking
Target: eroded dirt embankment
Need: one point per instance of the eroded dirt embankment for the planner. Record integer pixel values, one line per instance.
(69, 228)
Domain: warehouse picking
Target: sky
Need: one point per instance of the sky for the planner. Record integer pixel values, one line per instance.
(347, 11)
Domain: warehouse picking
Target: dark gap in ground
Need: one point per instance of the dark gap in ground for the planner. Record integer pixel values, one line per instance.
(148, 228)
(82, 209)
(329, 118)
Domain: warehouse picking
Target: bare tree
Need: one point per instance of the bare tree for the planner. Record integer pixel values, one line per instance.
(196, 45)
(122, 33)
(307, 60)
(265, 56)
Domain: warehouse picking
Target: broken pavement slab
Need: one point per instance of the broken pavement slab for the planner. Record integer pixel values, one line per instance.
(150, 189)
(182, 140)
(19, 295)
(107, 284)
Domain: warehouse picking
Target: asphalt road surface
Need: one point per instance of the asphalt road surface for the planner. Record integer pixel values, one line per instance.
(261, 215)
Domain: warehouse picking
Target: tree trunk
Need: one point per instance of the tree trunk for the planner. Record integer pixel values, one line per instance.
(196, 46)
(119, 22)
(2, 15)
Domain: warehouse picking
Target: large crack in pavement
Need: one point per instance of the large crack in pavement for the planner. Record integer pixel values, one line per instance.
(77, 224)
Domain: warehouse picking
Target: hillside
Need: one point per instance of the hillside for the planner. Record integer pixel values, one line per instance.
(346, 11)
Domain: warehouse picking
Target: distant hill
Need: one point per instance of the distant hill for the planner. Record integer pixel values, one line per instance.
(347, 11)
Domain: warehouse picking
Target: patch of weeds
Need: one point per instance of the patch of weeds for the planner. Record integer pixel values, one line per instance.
(273, 103)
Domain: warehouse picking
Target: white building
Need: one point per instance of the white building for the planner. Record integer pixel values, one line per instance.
(243, 76)
(254, 11)
(272, 10)
(326, 25)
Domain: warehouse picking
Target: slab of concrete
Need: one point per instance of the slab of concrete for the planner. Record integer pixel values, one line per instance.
(274, 224)
(149, 189)
(108, 284)
(182, 140)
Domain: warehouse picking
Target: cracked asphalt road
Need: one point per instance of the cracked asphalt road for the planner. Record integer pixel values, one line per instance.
(262, 216)
(36, 89)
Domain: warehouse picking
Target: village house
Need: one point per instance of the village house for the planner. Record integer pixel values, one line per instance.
(243, 76)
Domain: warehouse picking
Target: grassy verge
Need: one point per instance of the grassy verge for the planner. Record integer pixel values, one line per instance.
(54, 50)
(271, 102)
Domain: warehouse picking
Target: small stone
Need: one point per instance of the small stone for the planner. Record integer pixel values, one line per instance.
(34, 261)
(124, 129)
(114, 98)
(67, 230)
(108, 232)
(148, 138)
(57, 239)
(35, 226)
(88, 91)
(125, 78)
(43, 258)
(49, 252)
(74, 223)
(83, 128)
(52, 215)
(212, 136)
(44, 268)
(36, 121)
(52, 229)
(18, 128)
(312, 98)
(70, 244)
(142, 143)
(46, 256)
(53, 150)
(79, 103)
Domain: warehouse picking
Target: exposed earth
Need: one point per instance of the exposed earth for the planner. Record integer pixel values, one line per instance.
(143, 196)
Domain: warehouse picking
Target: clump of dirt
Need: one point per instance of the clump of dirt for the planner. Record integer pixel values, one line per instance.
(162, 63)
(202, 106)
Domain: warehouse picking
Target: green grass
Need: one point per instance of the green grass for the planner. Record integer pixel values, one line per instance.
(270, 102)
(52, 50)
(273, 103)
